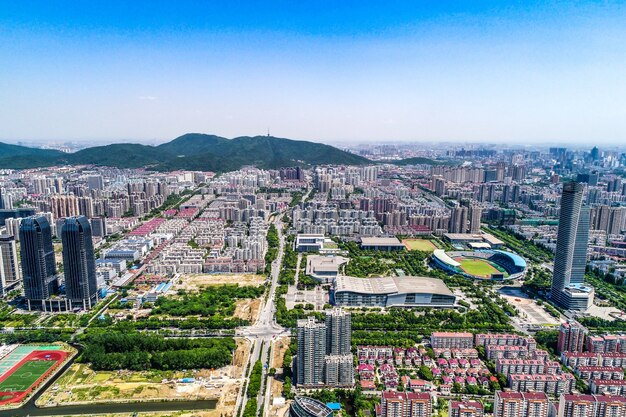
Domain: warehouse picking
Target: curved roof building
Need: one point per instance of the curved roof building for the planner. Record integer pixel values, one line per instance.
(308, 407)
(392, 292)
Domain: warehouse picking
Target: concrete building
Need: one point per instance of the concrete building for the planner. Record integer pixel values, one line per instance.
(95, 182)
(311, 353)
(608, 386)
(309, 242)
(324, 356)
(99, 226)
(9, 265)
(458, 220)
(521, 404)
(465, 409)
(381, 243)
(452, 340)
(570, 259)
(38, 264)
(405, 404)
(571, 337)
(324, 268)
(606, 343)
(308, 407)
(475, 213)
(584, 405)
(338, 332)
(391, 292)
(339, 370)
(79, 266)
(550, 384)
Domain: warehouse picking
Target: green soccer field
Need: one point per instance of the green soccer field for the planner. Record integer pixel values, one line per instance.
(25, 376)
(419, 244)
(478, 267)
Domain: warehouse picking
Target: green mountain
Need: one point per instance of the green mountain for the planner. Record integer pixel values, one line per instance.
(22, 157)
(192, 144)
(197, 151)
(193, 151)
(120, 155)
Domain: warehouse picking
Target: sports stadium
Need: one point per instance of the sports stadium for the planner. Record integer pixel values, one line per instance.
(497, 265)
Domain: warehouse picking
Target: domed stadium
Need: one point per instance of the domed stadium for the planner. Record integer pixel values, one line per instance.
(497, 265)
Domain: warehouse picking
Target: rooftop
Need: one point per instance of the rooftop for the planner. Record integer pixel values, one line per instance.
(393, 241)
(313, 407)
(392, 285)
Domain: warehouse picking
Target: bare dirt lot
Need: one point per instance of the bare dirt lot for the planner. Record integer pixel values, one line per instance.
(248, 309)
(81, 384)
(278, 352)
(195, 282)
(280, 347)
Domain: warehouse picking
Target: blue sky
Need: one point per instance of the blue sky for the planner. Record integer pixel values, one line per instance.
(514, 72)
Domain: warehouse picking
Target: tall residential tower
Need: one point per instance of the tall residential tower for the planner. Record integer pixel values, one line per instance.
(324, 351)
(311, 352)
(9, 270)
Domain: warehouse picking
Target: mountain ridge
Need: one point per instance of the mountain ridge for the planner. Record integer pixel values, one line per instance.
(192, 151)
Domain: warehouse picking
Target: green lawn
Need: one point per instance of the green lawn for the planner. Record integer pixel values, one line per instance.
(419, 244)
(26, 375)
(478, 267)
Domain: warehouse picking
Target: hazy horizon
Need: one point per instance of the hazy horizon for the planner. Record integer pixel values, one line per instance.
(354, 143)
(356, 72)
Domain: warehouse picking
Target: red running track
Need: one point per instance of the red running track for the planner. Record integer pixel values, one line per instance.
(44, 355)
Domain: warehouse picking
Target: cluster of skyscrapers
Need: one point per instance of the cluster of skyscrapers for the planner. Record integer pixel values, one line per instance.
(39, 271)
(324, 356)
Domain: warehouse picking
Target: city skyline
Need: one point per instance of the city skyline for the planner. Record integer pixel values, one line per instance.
(528, 72)
(313, 209)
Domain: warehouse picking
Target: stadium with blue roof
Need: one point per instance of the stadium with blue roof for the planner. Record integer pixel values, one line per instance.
(497, 265)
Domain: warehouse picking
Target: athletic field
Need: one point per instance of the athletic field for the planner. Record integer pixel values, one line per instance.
(423, 245)
(26, 372)
(26, 375)
(478, 267)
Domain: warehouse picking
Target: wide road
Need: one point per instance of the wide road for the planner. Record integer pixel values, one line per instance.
(264, 331)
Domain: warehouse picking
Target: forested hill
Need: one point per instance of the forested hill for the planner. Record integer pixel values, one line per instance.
(193, 151)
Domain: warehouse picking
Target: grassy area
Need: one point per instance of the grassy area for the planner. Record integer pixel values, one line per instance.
(26, 375)
(80, 374)
(423, 245)
(478, 267)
